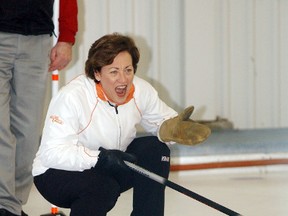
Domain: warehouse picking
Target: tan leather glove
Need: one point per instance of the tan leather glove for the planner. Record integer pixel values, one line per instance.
(183, 130)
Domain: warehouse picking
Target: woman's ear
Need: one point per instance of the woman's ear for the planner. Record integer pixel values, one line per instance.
(97, 76)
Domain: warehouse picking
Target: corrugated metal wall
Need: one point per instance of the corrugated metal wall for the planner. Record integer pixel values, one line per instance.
(226, 57)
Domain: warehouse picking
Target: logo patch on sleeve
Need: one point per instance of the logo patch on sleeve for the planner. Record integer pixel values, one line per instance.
(56, 119)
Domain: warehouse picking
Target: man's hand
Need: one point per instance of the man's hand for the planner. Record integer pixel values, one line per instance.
(60, 56)
(183, 130)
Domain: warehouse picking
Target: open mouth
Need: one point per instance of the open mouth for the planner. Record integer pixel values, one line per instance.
(121, 90)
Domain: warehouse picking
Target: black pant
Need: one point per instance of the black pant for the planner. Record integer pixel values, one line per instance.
(94, 193)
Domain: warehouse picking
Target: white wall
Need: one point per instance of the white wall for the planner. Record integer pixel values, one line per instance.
(226, 57)
(239, 47)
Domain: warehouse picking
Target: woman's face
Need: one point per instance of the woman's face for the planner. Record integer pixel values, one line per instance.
(116, 78)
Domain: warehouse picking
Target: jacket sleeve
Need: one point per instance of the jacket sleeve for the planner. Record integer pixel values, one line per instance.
(60, 147)
(153, 110)
(68, 22)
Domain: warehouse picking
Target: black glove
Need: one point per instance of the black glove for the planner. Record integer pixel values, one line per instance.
(113, 160)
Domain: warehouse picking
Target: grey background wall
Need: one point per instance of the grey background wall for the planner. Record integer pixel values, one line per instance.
(228, 58)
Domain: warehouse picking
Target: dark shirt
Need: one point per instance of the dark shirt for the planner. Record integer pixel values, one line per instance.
(27, 17)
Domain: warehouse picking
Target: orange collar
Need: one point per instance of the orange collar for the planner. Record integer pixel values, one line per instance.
(102, 96)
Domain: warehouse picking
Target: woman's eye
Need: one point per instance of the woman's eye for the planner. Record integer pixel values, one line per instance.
(113, 72)
(129, 70)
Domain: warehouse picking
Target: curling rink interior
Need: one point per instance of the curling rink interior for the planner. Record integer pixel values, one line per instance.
(256, 185)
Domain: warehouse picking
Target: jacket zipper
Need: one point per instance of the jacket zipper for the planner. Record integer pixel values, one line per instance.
(119, 125)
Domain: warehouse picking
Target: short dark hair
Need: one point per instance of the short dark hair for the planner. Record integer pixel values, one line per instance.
(105, 49)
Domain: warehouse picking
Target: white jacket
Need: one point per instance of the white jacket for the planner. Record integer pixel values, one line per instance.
(78, 122)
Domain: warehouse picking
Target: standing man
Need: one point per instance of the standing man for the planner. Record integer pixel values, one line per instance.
(26, 30)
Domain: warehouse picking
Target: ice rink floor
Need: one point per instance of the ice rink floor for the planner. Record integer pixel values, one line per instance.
(252, 191)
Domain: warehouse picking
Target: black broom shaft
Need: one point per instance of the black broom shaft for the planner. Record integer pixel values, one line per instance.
(201, 199)
(181, 189)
